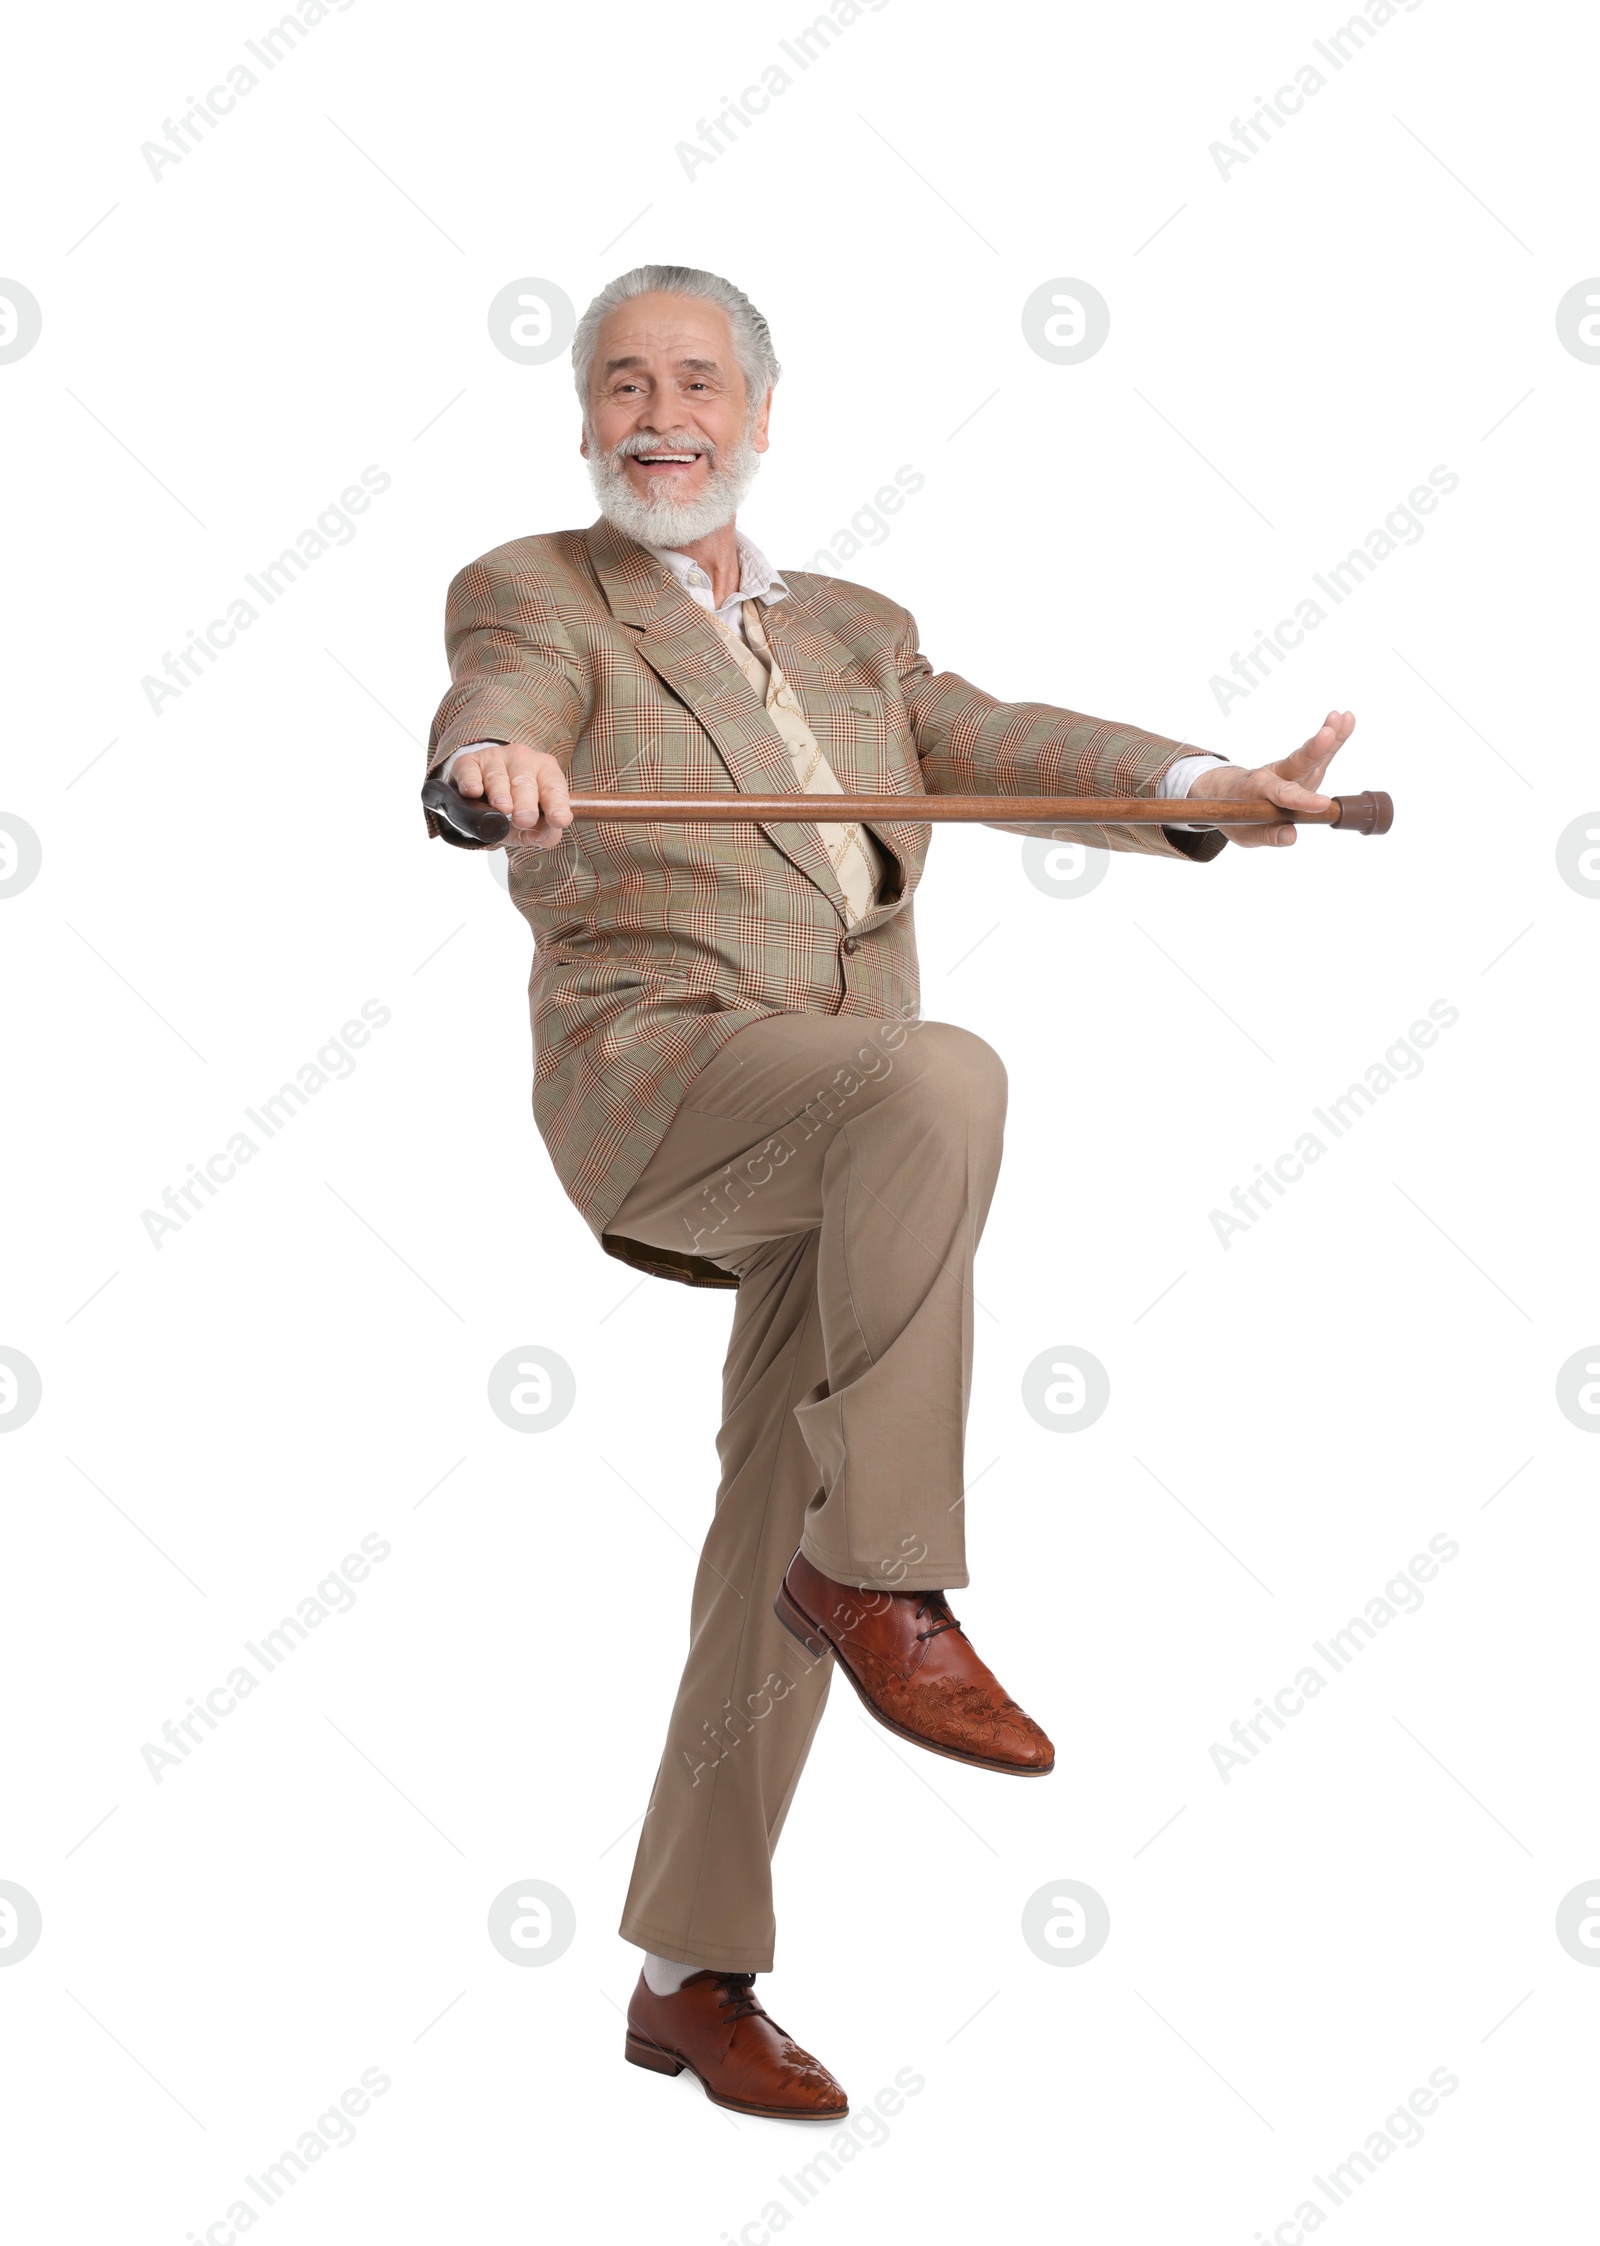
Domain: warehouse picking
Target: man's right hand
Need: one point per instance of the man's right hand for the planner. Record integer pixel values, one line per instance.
(527, 784)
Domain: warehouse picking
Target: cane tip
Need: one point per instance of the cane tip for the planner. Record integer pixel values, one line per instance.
(1370, 813)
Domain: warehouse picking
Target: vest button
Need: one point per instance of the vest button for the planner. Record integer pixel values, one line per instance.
(850, 946)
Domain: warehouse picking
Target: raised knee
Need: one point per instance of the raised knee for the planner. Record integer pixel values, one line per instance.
(959, 1069)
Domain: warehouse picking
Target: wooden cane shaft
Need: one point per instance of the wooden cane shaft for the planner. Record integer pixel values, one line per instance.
(476, 824)
(939, 810)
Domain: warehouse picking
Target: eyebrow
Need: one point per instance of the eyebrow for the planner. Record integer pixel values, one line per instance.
(698, 366)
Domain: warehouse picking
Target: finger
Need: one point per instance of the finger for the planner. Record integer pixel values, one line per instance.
(1293, 795)
(1261, 838)
(1304, 766)
(555, 800)
(1318, 748)
(1332, 734)
(467, 775)
(523, 797)
(496, 782)
(1310, 761)
(1316, 771)
(1278, 785)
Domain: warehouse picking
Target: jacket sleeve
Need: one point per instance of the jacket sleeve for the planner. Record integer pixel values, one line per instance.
(969, 744)
(514, 673)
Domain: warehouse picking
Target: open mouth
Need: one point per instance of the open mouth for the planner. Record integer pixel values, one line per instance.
(665, 463)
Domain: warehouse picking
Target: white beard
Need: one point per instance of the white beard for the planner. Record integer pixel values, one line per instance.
(662, 520)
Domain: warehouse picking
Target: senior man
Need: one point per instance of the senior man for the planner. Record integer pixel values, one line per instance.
(737, 1091)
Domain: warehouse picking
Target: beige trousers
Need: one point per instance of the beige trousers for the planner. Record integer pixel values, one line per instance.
(843, 1168)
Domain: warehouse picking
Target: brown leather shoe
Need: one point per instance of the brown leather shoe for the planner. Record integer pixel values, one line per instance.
(910, 1662)
(717, 2027)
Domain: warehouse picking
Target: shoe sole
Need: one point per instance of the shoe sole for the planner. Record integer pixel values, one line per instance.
(817, 1643)
(640, 2053)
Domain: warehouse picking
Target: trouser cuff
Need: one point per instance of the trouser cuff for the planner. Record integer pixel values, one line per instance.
(705, 1957)
(927, 1575)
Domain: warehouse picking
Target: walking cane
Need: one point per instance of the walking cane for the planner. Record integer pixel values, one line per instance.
(473, 819)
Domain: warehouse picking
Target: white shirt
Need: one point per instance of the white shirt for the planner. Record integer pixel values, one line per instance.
(758, 580)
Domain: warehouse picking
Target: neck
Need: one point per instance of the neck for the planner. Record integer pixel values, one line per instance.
(718, 556)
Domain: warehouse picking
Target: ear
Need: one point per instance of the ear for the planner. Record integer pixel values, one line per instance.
(758, 430)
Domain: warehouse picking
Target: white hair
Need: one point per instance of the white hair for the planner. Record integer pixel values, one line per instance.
(752, 338)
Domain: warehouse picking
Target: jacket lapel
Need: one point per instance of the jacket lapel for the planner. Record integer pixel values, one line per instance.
(689, 655)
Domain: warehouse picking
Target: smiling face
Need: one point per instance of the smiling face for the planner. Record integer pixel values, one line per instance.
(665, 367)
(669, 435)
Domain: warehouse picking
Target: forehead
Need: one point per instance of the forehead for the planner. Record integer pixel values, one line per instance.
(663, 328)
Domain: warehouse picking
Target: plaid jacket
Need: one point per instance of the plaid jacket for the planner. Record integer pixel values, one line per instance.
(654, 944)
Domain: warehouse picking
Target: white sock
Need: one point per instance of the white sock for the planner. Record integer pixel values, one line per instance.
(665, 1976)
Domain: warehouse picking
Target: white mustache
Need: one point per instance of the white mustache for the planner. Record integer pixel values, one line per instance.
(632, 448)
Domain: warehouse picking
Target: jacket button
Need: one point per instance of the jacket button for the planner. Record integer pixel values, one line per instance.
(850, 946)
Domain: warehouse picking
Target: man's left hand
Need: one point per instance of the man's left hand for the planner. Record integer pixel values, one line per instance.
(1292, 782)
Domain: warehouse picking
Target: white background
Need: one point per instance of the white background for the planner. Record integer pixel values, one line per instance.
(1292, 1416)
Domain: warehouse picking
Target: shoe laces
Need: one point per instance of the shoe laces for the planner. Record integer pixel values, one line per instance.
(737, 1995)
(935, 1603)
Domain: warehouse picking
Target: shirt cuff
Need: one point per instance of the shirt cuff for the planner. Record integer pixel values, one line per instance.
(1179, 778)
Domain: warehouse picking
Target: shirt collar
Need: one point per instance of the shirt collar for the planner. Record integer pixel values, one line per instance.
(758, 580)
